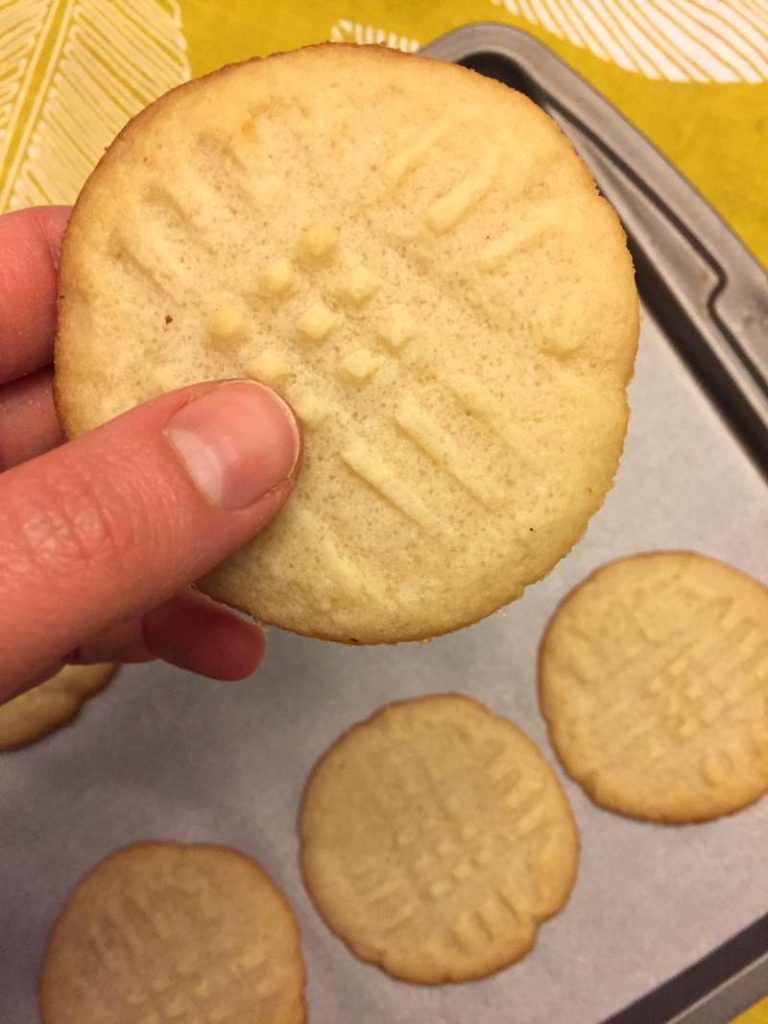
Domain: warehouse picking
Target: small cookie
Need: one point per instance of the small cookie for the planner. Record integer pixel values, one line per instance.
(164, 932)
(416, 258)
(46, 707)
(653, 677)
(435, 839)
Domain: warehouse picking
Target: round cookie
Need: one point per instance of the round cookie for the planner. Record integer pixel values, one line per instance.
(161, 932)
(416, 259)
(51, 704)
(435, 838)
(653, 678)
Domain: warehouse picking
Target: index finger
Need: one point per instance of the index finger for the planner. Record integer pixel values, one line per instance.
(29, 252)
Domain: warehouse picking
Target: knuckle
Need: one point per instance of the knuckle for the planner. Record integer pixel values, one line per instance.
(68, 528)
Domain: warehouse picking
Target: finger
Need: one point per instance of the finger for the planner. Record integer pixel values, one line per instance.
(195, 633)
(29, 251)
(119, 520)
(190, 631)
(29, 425)
(122, 642)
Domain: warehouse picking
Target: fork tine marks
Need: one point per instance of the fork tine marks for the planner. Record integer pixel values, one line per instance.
(447, 453)
(380, 476)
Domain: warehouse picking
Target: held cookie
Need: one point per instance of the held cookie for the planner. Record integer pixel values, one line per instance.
(435, 840)
(165, 932)
(654, 682)
(54, 703)
(416, 259)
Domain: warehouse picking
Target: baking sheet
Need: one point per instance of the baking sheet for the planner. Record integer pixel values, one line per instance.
(164, 755)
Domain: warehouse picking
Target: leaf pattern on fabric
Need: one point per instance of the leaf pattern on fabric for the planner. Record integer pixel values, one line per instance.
(72, 72)
(677, 40)
(345, 31)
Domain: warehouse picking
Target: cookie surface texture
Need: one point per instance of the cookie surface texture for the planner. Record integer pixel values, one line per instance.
(654, 683)
(51, 704)
(435, 839)
(417, 260)
(160, 932)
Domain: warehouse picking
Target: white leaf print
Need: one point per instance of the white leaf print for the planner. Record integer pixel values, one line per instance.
(72, 72)
(345, 31)
(679, 40)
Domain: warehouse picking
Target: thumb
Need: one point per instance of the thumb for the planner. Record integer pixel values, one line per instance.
(115, 522)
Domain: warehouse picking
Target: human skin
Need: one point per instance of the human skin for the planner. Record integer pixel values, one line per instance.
(101, 537)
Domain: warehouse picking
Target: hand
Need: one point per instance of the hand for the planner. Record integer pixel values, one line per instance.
(100, 538)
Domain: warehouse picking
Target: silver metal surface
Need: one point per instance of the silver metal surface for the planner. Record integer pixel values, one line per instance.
(731, 998)
(164, 755)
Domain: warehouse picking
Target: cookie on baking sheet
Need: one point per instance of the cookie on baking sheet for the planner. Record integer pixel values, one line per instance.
(160, 932)
(414, 256)
(435, 839)
(653, 676)
(51, 704)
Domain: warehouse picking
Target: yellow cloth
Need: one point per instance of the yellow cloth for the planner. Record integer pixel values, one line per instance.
(692, 74)
(757, 1015)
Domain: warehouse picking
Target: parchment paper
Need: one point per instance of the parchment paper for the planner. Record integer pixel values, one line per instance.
(164, 755)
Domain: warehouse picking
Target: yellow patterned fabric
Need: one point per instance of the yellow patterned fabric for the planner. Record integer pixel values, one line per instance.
(757, 1015)
(71, 73)
(692, 74)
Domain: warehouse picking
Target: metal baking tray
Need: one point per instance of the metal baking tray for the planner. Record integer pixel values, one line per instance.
(665, 923)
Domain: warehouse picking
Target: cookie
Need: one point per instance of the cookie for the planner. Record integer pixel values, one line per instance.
(416, 259)
(435, 839)
(54, 703)
(163, 932)
(654, 682)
